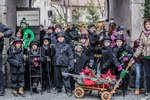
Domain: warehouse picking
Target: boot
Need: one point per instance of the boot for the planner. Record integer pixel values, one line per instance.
(21, 92)
(137, 91)
(15, 93)
(69, 94)
(2, 91)
(35, 90)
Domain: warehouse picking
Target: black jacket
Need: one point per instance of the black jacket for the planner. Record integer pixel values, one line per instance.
(63, 55)
(81, 62)
(117, 54)
(15, 59)
(94, 39)
(47, 52)
(89, 52)
(7, 33)
(106, 58)
(71, 35)
(38, 54)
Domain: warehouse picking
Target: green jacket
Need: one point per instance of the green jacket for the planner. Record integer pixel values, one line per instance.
(28, 36)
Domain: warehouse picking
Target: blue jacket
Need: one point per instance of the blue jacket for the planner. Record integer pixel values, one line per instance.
(63, 55)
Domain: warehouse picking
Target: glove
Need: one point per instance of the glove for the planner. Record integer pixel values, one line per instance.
(120, 67)
(125, 59)
(35, 59)
(36, 64)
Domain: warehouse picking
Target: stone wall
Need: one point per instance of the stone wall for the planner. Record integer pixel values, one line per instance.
(137, 12)
(129, 14)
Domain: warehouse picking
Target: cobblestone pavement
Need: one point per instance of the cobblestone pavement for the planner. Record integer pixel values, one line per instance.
(63, 96)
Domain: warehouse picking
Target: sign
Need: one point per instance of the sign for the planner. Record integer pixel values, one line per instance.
(32, 17)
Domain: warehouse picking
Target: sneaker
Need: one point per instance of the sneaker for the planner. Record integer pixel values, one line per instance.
(137, 91)
(146, 98)
(69, 94)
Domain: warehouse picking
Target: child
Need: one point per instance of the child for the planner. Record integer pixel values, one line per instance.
(18, 34)
(106, 58)
(47, 69)
(122, 53)
(63, 61)
(81, 60)
(15, 59)
(35, 58)
(87, 49)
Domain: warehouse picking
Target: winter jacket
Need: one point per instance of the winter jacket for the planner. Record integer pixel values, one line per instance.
(47, 53)
(71, 35)
(93, 38)
(16, 60)
(89, 52)
(53, 37)
(144, 46)
(36, 54)
(7, 33)
(118, 54)
(81, 62)
(63, 55)
(107, 58)
(28, 36)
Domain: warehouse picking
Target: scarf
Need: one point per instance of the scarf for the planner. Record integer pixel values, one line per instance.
(147, 33)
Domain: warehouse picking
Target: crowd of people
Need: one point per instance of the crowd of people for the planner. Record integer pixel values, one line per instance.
(68, 50)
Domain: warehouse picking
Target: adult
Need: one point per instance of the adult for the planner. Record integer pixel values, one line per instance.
(144, 49)
(71, 34)
(52, 34)
(105, 32)
(4, 32)
(42, 33)
(93, 37)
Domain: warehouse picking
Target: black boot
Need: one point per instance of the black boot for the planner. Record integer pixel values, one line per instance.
(35, 90)
(2, 91)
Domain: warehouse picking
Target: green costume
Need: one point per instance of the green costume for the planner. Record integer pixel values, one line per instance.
(28, 35)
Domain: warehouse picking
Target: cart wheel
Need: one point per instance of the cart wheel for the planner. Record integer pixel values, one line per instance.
(87, 92)
(106, 95)
(79, 92)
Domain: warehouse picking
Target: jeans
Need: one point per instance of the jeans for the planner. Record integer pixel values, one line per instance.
(146, 66)
(138, 68)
